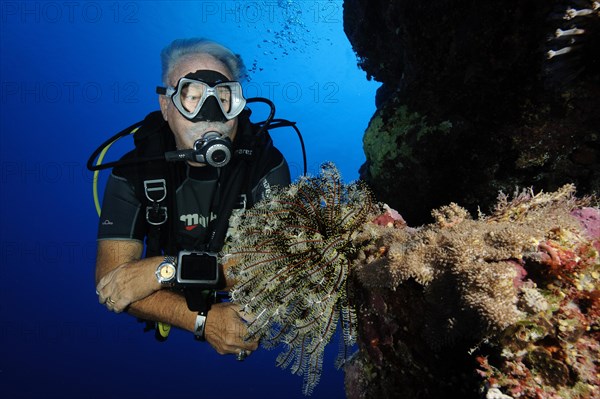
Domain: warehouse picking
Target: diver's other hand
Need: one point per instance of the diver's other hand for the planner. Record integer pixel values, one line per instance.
(225, 329)
(126, 284)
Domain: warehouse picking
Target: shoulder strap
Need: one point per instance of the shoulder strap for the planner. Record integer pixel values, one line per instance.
(156, 182)
(230, 198)
(251, 147)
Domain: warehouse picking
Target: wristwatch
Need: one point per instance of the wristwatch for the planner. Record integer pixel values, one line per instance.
(167, 271)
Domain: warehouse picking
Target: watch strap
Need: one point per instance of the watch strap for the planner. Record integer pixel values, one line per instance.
(170, 259)
(203, 302)
(199, 327)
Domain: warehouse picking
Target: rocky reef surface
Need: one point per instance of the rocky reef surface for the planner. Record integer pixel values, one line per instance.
(478, 97)
(502, 306)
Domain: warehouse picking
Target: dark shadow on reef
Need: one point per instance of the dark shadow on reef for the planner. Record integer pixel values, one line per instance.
(477, 98)
(394, 362)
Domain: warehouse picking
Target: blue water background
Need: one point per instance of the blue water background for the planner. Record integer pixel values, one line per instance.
(74, 73)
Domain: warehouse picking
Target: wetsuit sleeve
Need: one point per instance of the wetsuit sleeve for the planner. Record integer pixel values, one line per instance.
(121, 212)
(280, 175)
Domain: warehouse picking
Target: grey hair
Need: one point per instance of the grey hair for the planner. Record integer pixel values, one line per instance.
(182, 48)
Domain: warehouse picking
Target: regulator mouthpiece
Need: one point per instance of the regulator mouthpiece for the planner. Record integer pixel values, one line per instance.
(213, 150)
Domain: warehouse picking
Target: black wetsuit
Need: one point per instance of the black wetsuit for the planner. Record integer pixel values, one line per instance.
(197, 197)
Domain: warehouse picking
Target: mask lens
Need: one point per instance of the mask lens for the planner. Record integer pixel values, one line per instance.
(191, 95)
(224, 94)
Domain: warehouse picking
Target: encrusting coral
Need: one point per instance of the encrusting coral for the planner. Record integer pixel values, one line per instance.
(519, 288)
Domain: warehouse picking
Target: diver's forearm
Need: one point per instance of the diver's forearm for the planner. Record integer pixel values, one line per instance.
(164, 306)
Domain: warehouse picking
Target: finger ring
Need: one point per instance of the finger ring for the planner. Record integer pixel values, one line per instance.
(242, 355)
(110, 301)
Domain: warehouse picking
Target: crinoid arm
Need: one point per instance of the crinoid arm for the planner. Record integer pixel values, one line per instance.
(293, 254)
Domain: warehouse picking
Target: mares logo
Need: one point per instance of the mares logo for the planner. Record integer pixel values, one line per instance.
(193, 220)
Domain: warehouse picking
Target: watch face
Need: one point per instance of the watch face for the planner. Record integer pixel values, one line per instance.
(167, 272)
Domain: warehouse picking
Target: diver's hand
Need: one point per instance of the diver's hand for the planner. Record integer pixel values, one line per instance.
(225, 329)
(126, 284)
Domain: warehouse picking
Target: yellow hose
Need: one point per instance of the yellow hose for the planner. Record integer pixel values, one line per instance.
(97, 172)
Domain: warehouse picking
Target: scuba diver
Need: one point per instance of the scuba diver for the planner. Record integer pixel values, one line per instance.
(195, 163)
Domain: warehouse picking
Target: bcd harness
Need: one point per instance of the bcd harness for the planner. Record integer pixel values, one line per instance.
(156, 182)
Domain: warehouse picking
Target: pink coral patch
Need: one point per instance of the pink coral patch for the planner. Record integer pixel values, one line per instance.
(389, 218)
(590, 221)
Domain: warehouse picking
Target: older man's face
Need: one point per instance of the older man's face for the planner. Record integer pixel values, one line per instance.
(187, 132)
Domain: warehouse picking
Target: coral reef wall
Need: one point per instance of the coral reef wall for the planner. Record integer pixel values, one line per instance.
(505, 306)
(478, 97)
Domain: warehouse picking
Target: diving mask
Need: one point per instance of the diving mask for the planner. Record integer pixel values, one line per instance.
(206, 96)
